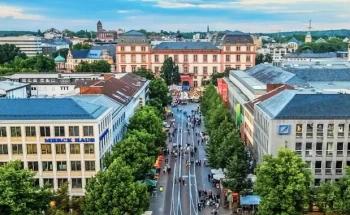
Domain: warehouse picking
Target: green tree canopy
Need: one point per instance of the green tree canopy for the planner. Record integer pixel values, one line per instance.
(159, 90)
(9, 52)
(146, 73)
(114, 191)
(18, 195)
(283, 184)
(80, 46)
(100, 66)
(261, 58)
(170, 72)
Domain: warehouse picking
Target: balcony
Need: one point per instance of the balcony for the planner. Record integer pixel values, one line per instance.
(318, 171)
(339, 171)
(328, 171)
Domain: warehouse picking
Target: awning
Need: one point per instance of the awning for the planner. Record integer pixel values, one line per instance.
(250, 200)
(219, 176)
(150, 182)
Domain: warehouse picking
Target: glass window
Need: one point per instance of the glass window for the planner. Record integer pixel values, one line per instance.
(75, 165)
(309, 130)
(317, 182)
(298, 147)
(238, 48)
(73, 130)
(215, 69)
(319, 130)
(60, 148)
(195, 58)
(227, 57)
(299, 130)
(76, 183)
(47, 165)
(45, 131)
(339, 167)
(15, 131)
(88, 131)
(185, 58)
(32, 149)
(59, 131)
(17, 149)
(61, 165)
(238, 58)
(90, 165)
(48, 182)
(318, 164)
(89, 148)
(195, 70)
(330, 130)
(215, 58)
(46, 149)
(176, 58)
(61, 182)
(329, 149)
(75, 148)
(341, 130)
(308, 149)
(340, 148)
(3, 132)
(205, 58)
(3, 149)
(33, 165)
(248, 58)
(30, 131)
(319, 148)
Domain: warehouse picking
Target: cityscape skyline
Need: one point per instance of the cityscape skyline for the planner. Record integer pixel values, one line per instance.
(155, 15)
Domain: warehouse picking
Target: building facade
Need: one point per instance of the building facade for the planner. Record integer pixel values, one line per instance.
(11, 89)
(75, 57)
(30, 45)
(104, 35)
(61, 140)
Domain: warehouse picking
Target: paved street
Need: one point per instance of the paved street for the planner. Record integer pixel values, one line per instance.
(182, 183)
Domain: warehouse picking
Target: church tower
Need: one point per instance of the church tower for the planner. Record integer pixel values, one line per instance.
(99, 26)
(308, 37)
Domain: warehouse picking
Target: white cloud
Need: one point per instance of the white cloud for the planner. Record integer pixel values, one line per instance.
(127, 11)
(13, 12)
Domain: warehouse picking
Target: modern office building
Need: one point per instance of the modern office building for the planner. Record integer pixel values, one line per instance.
(30, 45)
(61, 139)
(316, 126)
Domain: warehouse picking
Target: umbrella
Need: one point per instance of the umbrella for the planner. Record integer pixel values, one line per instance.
(250, 200)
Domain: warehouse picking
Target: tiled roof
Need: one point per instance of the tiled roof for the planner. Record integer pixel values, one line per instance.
(133, 33)
(186, 46)
(237, 38)
(292, 104)
(48, 109)
(321, 74)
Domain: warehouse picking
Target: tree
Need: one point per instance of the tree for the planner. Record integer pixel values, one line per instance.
(100, 66)
(170, 72)
(114, 191)
(283, 184)
(62, 52)
(217, 75)
(159, 90)
(147, 118)
(146, 138)
(80, 46)
(261, 58)
(18, 194)
(146, 73)
(9, 52)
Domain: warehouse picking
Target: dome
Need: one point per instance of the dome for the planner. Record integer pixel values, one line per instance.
(59, 59)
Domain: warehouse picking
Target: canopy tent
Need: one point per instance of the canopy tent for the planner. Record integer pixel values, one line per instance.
(219, 176)
(216, 171)
(150, 182)
(250, 200)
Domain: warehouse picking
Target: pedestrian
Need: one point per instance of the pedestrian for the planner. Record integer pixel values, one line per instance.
(209, 177)
(183, 181)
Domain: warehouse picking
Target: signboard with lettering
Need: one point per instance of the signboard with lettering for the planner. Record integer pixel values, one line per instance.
(69, 140)
(284, 129)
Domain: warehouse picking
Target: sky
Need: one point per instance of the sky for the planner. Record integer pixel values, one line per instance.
(172, 15)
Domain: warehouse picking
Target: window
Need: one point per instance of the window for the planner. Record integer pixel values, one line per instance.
(319, 149)
(75, 165)
(185, 58)
(238, 58)
(3, 149)
(341, 130)
(133, 58)
(176, 58)
(47, 166)
(61, 165)
(317, 182)
(205, 58)
(30, 131)
(205, 70)
(48, 182)
(61, 182)
(309, 130)
(318, 166)
(227, 57)
(166, 57)
(308, 149)
(15, 131)
(339, 167)
(122, 58)
(122, 48)
(298, 148)
(60, 149)
(89, 149)
(215, 69)
(59, 131)
(76, 183)
(215, 58)
(156, 58)
(340, 148)
(33, 165)
(132, 48)
(123, 68)
(328, 168)
(32, 149)
(3, 132)
(248, 48)
(73, 130)
(46, 149)
(330, 130)
(17, 149)
(238, 48)
(88, 131)
(143, 48)
(329, 149)
(195, 70)
(248, 58)
(90, 165)
(143, 58)
(228, 48)
(74, 148)
(45, 131)
(185, 69)
(195, 58)
(299, 130)
(319, 130)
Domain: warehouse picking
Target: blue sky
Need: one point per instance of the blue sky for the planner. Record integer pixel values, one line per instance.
(183, 15)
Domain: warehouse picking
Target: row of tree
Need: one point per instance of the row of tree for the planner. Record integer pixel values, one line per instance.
(100, 66)
(224, 149)
(330, 45)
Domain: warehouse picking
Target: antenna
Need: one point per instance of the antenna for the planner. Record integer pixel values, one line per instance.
(310, 25)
